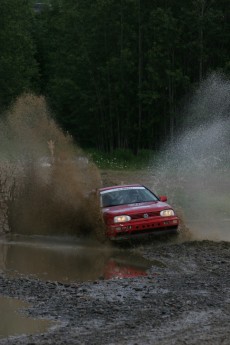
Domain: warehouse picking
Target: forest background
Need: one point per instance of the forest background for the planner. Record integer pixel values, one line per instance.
(116, 73)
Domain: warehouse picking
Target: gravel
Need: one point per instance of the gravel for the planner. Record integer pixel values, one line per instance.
(186, 300)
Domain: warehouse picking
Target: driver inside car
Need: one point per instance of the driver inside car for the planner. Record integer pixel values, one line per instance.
(133, 196)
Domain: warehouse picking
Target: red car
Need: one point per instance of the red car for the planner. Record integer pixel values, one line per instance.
(133, 210)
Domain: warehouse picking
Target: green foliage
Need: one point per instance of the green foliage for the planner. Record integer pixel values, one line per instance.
(121, 159)
(114, 72)
(18, 67)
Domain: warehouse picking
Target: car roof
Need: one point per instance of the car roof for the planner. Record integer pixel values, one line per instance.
(120, 186)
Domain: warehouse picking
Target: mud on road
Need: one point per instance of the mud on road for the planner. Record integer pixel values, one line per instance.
(184, 301)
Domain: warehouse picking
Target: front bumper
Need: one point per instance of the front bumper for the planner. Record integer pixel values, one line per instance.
(142, 227)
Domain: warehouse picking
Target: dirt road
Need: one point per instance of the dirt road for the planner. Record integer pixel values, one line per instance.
(185, 300)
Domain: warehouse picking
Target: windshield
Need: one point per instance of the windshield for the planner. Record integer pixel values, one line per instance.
(126, 195)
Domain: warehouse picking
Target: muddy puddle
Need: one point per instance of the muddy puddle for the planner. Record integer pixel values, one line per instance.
(14, 322)
(69, 260)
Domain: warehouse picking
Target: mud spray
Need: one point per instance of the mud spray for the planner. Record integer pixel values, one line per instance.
(45, 180)
(194, 170)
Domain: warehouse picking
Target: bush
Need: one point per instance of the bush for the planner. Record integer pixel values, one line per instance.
(121, 159)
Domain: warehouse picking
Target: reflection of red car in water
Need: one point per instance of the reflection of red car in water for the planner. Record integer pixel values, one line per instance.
(114, 269)
(133, 210)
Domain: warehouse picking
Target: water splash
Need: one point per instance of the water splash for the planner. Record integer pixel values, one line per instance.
(44, 176)
(194, 170)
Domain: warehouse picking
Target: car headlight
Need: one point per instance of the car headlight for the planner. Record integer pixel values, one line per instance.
(121, 219)
(167, 213)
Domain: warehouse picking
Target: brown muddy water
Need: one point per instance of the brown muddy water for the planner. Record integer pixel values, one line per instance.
(69, 259)
(14, 322)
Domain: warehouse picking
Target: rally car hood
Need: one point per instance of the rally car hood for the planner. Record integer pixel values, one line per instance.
(137, 207)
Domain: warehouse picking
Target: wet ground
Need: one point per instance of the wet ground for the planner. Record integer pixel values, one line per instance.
(14, 322)
(68, 259)
(183, 300)
(167, 290)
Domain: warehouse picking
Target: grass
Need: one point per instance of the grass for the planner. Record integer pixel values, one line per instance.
(121, 159)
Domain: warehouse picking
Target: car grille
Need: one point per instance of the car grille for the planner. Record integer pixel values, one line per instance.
(142, 215)
(152, 230)
(148, 231)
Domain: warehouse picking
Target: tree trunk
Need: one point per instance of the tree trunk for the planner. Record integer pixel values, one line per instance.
(201, 39)
(140, 76)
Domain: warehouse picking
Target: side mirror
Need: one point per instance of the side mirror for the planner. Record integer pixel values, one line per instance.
(163, 198)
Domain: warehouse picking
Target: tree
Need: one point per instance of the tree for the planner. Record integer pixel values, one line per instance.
(18, 67)
(115, 72)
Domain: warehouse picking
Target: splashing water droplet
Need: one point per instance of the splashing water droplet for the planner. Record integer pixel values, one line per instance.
(194, 170)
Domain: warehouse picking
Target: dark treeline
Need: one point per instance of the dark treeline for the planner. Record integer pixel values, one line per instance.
(115, 72)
